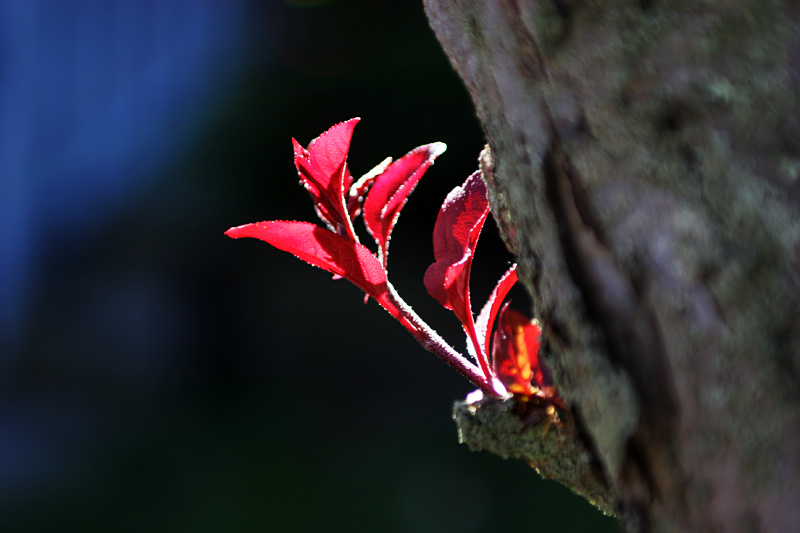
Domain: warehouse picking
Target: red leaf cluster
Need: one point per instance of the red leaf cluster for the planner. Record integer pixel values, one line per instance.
(380, 195)
(338, 200)
(455, 237)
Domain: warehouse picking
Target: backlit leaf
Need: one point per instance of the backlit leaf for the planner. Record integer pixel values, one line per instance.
(455, 236)
(390, 193)
(326, 250)
(323, 172)
(486, 317)
(358, 190)
(515, 352)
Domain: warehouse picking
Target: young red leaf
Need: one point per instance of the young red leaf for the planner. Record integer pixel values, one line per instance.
(322, 205)
(455, 236)
(515, 352)
(390, 191)
(322, 169)
(483, 325)
(358, 190)
(326, 250)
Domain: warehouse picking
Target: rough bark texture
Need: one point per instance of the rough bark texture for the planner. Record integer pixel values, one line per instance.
(551, 445)
(643, 162)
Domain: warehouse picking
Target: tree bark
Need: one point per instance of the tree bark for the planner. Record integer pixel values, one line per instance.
(643, 162)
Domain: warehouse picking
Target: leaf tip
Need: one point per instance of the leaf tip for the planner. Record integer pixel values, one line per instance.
(234, 232)
(436, 149)
(350, 123)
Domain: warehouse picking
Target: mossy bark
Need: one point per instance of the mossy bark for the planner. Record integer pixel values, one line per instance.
(643, 162)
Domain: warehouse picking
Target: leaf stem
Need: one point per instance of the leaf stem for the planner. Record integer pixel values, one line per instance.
(434, 343)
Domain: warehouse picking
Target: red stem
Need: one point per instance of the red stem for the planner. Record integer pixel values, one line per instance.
(434, 343)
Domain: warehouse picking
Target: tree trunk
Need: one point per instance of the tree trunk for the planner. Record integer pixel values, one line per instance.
(643, 162)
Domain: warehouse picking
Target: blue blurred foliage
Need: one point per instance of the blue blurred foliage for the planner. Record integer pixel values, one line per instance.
(156, 375)
(95, 97)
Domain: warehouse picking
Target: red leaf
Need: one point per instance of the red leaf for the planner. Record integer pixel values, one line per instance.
(358, 190)
(485, 321)
(455, 235)
(515, 352)
(322, 169)
(326, 250)
(390, 193)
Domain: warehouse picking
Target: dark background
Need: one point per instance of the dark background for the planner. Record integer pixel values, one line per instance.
(155, 375)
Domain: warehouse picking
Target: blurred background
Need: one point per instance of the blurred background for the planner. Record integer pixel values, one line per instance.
(156, 375)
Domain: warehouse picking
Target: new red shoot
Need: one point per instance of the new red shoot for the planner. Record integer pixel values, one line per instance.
(503, 366)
